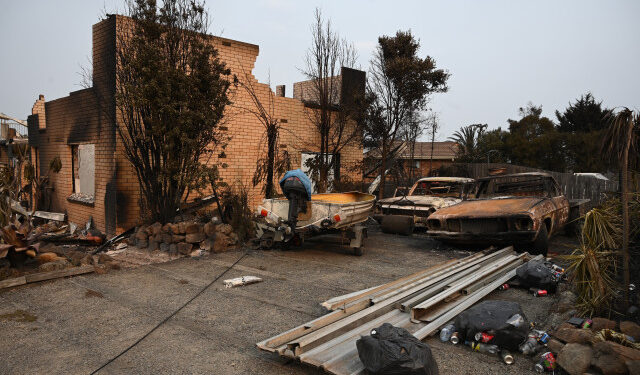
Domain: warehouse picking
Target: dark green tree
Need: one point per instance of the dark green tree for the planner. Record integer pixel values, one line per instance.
(170, 95)
(533, 141)
(399, 85)
(582, 126)
(468, 141)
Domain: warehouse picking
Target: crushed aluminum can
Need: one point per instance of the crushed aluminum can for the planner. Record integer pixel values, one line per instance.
(540, 293)
(547, 362)
(455, 338)
(504, 287)
(543, 338)
(586, 324)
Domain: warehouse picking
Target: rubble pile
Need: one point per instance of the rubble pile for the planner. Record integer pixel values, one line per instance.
(584, 345)
(185, 237)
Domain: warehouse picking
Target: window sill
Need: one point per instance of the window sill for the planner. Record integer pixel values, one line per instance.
(87, 200)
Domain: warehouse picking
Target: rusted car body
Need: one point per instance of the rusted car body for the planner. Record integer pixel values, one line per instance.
(425, 197)
(522, 209)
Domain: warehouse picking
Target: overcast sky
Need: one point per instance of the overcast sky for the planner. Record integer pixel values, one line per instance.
(501, 54)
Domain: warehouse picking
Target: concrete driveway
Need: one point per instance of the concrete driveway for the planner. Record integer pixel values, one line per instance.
(76, 325)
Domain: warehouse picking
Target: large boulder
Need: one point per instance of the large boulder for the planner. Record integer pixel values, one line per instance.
(154, 229)
(191, 228)
(195, 237)
(555, 346)
(633, 367)
(574, 335)
(610, 347)
(602, 323)
(575, 358)
(184, 248)
(225, 229)
(221, 243)
(630, 328)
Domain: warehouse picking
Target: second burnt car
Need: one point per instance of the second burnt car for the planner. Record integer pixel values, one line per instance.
(522, 209)
(400, 214)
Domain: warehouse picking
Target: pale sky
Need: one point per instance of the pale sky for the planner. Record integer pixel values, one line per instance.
(501, 54)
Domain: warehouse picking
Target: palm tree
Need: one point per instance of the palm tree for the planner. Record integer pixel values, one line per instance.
(467, 139)
(621, 142)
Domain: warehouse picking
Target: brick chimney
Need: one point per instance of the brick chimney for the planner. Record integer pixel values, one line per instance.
(280, 90)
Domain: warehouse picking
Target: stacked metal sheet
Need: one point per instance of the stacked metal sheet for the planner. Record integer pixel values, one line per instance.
(420, 303)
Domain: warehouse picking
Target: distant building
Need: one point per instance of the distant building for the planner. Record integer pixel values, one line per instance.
(423, 162)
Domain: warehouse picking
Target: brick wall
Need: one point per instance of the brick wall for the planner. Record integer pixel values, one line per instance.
(88, 116)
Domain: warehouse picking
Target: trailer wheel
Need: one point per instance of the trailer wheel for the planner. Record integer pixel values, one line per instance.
(266, 241)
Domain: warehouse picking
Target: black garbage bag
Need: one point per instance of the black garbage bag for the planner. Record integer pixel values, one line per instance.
(493, 317)
(537, 274)
(394, 351)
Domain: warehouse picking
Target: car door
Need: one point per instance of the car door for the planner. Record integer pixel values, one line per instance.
(561, 206)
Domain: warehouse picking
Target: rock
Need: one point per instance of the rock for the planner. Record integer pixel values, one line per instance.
(225, 229)
(177, 238)
(164, 247)
(173, 249)
(209, 229)
(633, 367)
(165, 238)
(112, 265)
(195, 237)
(196, 253)
(46, 258)
(58, 264)
(574, 335)
(153, 245)
(609, 347)
(142, 234)
(221, 243)
(631, 329)
(166, 228)
(192, 228)
(104, 258)
(77, 257)
(233, 238)
(142, 244)
(87, 260)
(184, 248)
(177, 228)
(154, 228)
(207, 244)
(555, 346)
(602, 323)
(575, 358)
(121, 246)
(609, 364)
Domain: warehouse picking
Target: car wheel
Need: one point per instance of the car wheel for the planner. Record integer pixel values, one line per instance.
(357, 251)
(397, 224)
(541, 243)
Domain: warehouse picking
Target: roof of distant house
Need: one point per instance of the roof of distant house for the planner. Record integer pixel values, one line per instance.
(441, 151)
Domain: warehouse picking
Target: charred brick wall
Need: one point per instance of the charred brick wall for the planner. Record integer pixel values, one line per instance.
(90, 116)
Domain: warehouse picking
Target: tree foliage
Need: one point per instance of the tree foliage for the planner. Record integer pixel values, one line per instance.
(400, 83)
(171, 95)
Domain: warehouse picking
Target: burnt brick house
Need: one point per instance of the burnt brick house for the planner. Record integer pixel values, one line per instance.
(98, 181)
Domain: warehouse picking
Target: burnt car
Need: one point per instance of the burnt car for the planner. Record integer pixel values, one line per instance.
(401, 213)
(523, 210)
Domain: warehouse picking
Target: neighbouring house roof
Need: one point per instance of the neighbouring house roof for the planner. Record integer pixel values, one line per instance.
(441, 151)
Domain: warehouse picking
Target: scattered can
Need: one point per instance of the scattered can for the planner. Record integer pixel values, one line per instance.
(547, 362)
(506, 357)
(586, 324)
(543, 338)
(486, 337)
(504, 287)
(530, 346)
(455, 338)
(557, 268)
(540, 293)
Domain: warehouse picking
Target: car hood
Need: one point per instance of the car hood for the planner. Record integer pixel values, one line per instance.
(491, 207)
(420, 200)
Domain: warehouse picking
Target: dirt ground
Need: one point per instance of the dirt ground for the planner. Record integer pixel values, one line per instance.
(76, 325)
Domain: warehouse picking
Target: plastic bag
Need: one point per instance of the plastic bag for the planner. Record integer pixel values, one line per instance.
(497, 318)
(394, 351)
(537, 274)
